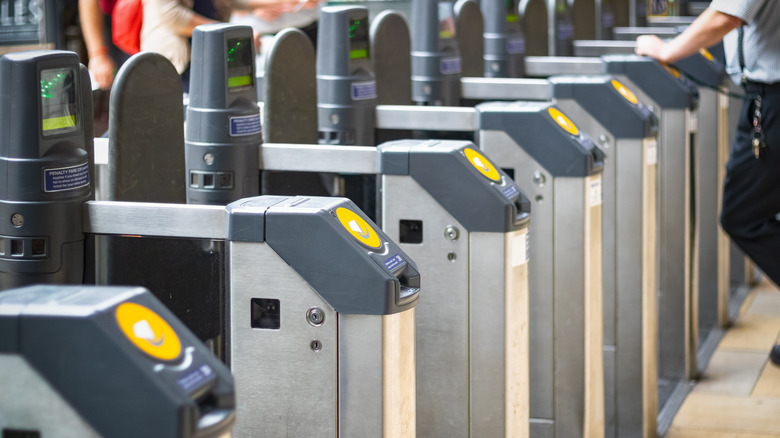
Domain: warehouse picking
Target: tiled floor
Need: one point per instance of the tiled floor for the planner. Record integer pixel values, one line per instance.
(739, 394)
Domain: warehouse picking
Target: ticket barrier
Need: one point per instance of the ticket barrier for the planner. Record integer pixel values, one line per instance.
(504, 42)
(675, 101)
(711, 152)
(368, 293)
(94, 361)
(466, 119)
(548, 27)
(626, 129)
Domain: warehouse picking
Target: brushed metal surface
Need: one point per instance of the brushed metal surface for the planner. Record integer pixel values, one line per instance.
(28, 402)
(318, 158)
(151, 219)
(283, 387)
(544, 66)
(425, 118)
(505, 89)
(599, 47)
(508, 155)
(442, 336)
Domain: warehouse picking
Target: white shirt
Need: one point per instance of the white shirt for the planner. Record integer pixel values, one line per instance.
(761, 42)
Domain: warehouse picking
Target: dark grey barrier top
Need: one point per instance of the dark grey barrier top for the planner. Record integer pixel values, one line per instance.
(46, 166)
(611, 103)
(663, 84)
(390, 47)
(436, 64)
(703, 68)
(469, 32)
(146, 160)
(224, 130)
(465, 182)
(546, 134)
(335, 247)
(120, 359)
(504, 43)
(346, 87)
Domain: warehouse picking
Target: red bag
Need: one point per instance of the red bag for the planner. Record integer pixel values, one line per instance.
(126, 19)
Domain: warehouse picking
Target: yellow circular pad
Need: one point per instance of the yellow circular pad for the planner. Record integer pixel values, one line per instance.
(563, 121)
(482, 164)
(625, 92)
(358, 227)
(148, 331)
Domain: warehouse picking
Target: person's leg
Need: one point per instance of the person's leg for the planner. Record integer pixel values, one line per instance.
(751, 193)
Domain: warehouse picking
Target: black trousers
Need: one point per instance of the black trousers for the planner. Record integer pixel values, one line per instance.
(751, 192)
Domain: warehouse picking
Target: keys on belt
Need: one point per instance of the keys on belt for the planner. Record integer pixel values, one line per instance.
(757, 133)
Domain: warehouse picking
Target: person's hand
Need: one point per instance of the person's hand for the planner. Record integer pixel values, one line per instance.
(650, 45)
(103, 68)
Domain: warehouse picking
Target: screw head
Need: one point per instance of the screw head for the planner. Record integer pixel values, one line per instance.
(315, 345)
(208, 159)
(334, 118)
(539, 179)
(452, 233)
(315, 316)
(17, 220)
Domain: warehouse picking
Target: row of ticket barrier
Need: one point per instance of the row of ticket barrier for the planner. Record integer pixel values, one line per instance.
(426, 307)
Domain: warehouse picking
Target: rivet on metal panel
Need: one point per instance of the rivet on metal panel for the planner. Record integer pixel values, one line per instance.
(539, 179)
(604, 141)
(208, 159)
(539, 198)
(315, 316)
(17, 220)
(315, 345)
(451, 233)
(452, 256)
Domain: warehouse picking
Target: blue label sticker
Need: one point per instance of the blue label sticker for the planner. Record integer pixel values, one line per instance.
(510, 192)
(66, 178)
(608, 19)
(515, 46)
(363, 90)
(245, 125)
(565, 31)
(197, 378)
(450, 66)
(391, 263)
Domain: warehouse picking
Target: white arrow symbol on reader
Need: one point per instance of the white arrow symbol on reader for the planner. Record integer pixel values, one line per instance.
(354, 226)
(143, 330)
(479, 163)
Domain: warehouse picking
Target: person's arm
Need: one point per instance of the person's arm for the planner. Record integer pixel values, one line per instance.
(709, 28)
(100, 64)
(179, 17)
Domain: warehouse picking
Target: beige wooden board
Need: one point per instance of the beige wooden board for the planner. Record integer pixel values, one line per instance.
(732, 372)
(769, 383)
(752, 332)
(675, 432)
(399, 375)
(721, 413)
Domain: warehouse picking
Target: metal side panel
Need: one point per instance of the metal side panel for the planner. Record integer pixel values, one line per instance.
(674, 246)
(692, 329)
(607, 141)
(724, 265)
(505, 89)
(635, 250)
(508, 155)
(430, 118)
(544, 66)
(579, 365)
(151, 219)
(28, 402)
(318, 158)
(376, 375)
(498, 332)
(442, 316)
(707, 193)
(284, 385)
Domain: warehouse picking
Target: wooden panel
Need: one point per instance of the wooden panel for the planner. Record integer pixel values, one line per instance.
(399, 375)
(730, 413)
(516, 366)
